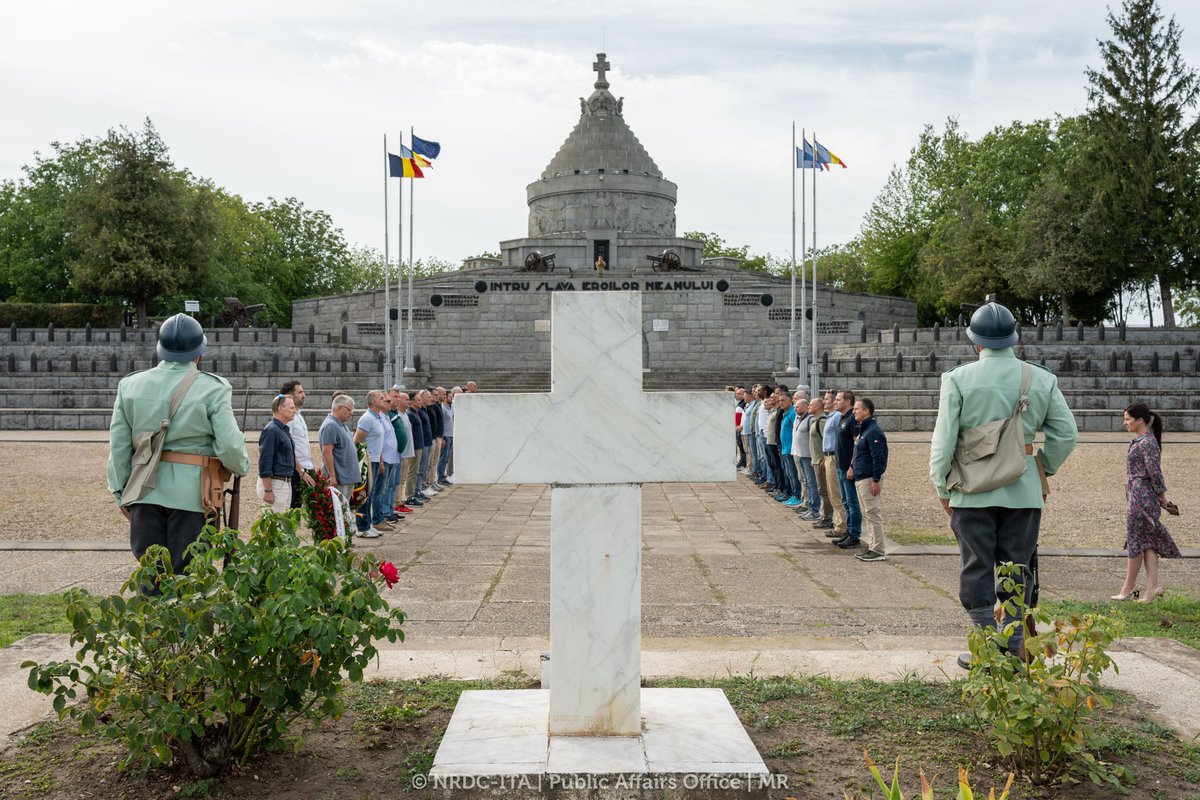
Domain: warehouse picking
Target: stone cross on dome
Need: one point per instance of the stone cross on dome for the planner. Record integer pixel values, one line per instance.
(600, 67)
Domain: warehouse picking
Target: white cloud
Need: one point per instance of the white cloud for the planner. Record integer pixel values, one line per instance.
(268, 103)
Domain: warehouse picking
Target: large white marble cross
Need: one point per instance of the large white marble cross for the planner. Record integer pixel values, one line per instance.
(596, 437)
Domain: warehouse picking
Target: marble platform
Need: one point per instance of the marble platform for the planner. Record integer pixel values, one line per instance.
(691, 744)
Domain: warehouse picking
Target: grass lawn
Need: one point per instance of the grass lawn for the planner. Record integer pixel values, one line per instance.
(901, 534)
(1173, 615)
(810, 730)
(24, 614)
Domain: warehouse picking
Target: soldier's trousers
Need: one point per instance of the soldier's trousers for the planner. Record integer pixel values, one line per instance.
(172, 528)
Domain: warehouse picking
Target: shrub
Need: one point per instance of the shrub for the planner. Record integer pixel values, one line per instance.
(1037, 710)
(63, 315)
(254, 636)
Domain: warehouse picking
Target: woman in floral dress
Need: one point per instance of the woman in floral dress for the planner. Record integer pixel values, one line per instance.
(1146, 538)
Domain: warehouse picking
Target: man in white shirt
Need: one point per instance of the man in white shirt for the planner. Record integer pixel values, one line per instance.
(298, 428)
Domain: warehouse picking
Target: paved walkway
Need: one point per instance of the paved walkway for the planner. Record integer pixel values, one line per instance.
(729, 582)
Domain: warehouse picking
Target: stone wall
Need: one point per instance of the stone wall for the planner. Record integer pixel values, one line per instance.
(694, 321)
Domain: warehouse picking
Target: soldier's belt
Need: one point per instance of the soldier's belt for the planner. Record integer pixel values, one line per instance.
(185, 458)
(213, 476)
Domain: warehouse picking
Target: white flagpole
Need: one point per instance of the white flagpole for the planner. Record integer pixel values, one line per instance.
(409, 364)
(813, 369)
(387, 300)
(803, 247)
(399, 277)
(791, 355)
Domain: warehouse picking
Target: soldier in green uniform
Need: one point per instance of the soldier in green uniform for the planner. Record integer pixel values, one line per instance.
(1001, 524)
(172, 514)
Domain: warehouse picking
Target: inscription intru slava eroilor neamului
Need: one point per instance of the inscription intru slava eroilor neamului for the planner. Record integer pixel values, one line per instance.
(603, 286)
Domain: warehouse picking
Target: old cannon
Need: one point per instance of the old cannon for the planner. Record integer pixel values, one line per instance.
(667, 262)
(236, 311)
(537, 262)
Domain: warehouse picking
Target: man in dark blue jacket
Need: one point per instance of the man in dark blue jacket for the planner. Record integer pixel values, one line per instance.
(847, 429)
(418, 428)
(870, 462)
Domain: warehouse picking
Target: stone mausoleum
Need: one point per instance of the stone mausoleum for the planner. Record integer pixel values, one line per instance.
(601, 196)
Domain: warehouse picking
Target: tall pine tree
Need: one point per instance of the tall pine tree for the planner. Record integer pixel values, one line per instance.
(1142, 103)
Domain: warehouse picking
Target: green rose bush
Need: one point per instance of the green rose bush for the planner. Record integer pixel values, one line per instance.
(215, 665)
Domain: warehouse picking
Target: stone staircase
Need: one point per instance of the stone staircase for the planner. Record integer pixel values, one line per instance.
(66, 379)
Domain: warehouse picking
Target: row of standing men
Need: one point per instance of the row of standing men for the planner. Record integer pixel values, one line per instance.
(825, 458)
(409, 437)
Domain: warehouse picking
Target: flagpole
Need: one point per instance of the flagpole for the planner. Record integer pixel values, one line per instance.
(409, 363)
(387, 300)
(803, 246)
(400, 275)
(813, 369)
(791, 354)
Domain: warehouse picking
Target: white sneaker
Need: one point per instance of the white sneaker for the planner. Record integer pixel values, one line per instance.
(448, 482)
(430, 492)
(370, 533)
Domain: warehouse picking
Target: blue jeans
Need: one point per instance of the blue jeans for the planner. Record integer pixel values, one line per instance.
(810, 482)
(792, 481)
(423, 466)
(444, 459)
(850, 502)
(393, 473)
(384, 489)
(764, 463)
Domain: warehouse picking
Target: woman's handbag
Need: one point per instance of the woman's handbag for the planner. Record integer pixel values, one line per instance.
(992, 455)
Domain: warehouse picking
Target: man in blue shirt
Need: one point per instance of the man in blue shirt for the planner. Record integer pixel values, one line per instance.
(277, 456)
(338, 455)
(829, 450)
(375, 429)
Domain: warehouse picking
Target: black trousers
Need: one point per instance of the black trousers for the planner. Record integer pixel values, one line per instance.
(741, 450)
(172, 528)
(988, 537)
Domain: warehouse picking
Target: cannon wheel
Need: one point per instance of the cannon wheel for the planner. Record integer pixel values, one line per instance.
(533, 261)
(670, 260)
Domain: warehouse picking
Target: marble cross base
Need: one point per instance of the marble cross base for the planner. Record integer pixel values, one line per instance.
(691, 744)
(595, 609)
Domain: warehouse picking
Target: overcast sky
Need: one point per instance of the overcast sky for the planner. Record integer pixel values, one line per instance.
(293, 99)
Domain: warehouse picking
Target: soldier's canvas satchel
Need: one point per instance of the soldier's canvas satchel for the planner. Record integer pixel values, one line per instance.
(148, 448)
(992, 455)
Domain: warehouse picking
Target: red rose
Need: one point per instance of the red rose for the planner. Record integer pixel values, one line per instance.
(388, 570)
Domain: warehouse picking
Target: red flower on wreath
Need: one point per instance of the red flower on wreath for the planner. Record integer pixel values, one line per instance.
(319, 509)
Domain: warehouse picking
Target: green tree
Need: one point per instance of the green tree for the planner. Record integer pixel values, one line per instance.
(307, 254)
(842, 266)
(37, 249)
(1142, 99)
(141, 228)
(894, 230)
(240, 265)
(715, 246)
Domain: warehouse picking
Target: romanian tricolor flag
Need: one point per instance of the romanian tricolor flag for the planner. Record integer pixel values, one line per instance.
(420, 159)
(400, 167)
(826, 157)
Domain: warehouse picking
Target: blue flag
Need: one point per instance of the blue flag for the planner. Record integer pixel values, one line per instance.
(427, 149)
(805, 159)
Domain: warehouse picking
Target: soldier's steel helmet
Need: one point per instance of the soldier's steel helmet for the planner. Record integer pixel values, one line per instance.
(181, 339)
(993, 326)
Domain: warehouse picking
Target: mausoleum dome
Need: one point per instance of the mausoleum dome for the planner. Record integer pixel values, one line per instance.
(602, 178)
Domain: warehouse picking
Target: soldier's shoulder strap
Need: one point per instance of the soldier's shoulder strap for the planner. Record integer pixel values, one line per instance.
(222, 381)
